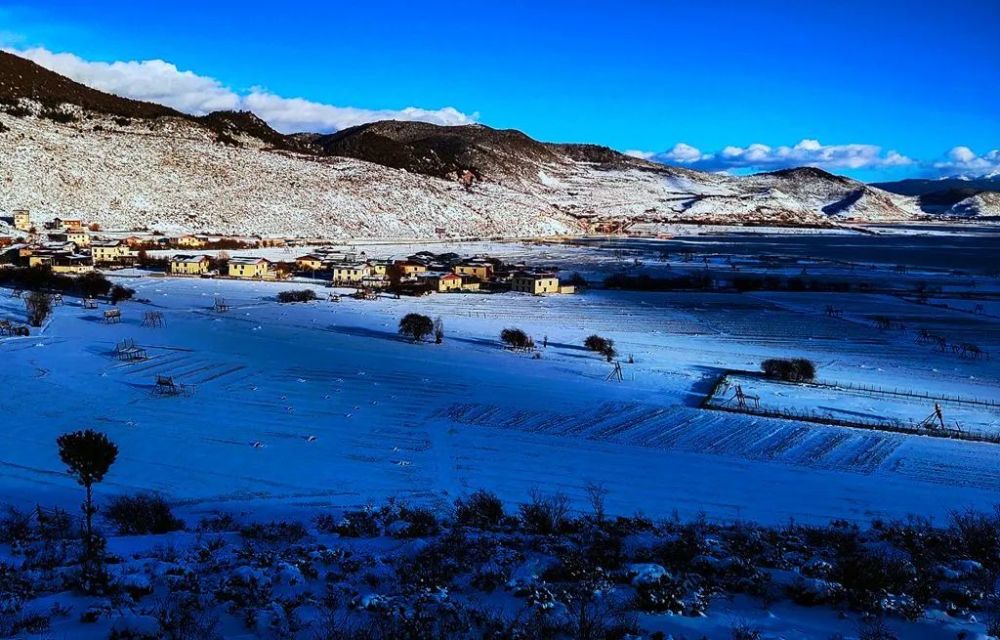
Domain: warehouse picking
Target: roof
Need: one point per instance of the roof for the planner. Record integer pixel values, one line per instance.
(189, 259)
(248, 260)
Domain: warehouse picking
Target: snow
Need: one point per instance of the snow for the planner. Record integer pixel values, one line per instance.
(345, 412)
(170, 175)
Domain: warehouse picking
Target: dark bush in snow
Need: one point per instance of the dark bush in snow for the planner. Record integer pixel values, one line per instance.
(516, 339)
(93, 285)
(545, 514)
(481, 509)
(415, 523)
(119, 293)
(296, 295)
(416, 327)
(789, 369)
(274, 532)
(141, 514)
(218, 523)
(354, 524)
(603, 346)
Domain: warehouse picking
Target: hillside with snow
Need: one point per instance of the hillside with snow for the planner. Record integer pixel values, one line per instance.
(66, 149)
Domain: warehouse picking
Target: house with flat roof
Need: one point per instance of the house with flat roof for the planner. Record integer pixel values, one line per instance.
(112, 252)
(250, 268)
(189, 265)
(535, 283)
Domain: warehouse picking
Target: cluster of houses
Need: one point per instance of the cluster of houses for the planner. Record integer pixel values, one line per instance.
(69, 245)
(421, 273)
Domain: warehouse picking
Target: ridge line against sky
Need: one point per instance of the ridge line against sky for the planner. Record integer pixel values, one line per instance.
(767, 108)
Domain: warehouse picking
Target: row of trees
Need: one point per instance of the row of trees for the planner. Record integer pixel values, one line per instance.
(418, 327)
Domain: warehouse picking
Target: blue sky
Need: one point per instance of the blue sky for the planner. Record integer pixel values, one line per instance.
(715, 78)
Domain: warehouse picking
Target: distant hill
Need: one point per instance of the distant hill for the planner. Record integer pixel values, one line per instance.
(919, 187)
(953, 196)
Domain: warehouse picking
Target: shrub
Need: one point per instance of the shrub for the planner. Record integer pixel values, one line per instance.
(482, 509)
(789, 369)
(577, 281)
(419, 523)
(120, 293)
(545, 514)
(415, 326)
(274, 532)
(141, 514)
(743, 631)
(57, 116)
(603, 346)
(298, 295)
(516, 339)
(92, 285)
(218, 523)
(38, 306)
(354, 524)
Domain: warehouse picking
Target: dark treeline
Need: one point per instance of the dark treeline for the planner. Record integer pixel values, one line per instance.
(740, 283)
(89, 285)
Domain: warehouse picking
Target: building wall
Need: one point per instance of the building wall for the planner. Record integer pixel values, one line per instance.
(449, 284)
(258, 270)
(349, 275)
(482, 272)
(535, 285)
(72, 268)
(81, 239)
(189, 268)
(22, 221)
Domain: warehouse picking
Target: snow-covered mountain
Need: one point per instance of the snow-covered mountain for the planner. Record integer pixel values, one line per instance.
(68, 149)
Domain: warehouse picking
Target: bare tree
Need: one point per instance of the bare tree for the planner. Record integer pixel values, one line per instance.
(38, 305)
(596, 493)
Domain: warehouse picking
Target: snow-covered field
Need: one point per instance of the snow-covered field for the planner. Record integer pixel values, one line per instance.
(297, 406)
(893, 407)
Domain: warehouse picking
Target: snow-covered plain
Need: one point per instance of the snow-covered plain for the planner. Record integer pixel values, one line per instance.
(313, 405)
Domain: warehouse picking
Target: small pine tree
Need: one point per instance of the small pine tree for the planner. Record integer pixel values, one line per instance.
(88, 455)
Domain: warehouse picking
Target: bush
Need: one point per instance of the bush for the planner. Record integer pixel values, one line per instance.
(516, 339)
(545, 514)
(354, 524)
(141, 514)
(298, 295)
(415, 326)
(789, 369)
(92, 285)
(482, 509)
(120, 293)
(274, 532)
(419, 523)
(603, 346)
(38, 306)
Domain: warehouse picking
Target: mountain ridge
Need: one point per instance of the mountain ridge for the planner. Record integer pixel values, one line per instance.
(65, 147)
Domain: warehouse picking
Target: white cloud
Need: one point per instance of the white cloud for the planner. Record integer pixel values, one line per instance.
(963, 160)
(764, 157)
(162, 82)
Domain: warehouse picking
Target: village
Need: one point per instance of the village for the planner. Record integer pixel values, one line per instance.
(72, 246)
